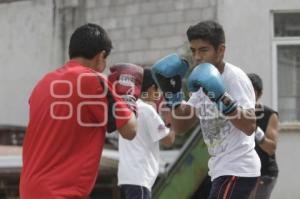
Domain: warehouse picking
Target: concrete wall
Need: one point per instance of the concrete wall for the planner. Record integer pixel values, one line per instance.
(35, 35)
(34, 39)
(28, 50)
(143, 31)
(248, 26)
(288, 157)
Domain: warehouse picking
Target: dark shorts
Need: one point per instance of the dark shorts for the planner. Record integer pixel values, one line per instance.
(232, 187)
(134, 192)
(264, 187)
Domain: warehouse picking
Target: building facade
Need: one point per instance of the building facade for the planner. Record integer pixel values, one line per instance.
(261, 37)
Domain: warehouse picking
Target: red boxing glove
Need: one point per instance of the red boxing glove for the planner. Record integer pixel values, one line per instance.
(126, 79)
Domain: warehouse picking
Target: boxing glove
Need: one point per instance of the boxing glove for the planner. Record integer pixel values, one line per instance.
(207, 76)
(126, 80)
(168, 73)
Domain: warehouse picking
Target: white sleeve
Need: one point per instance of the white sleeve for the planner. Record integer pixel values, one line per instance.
(242, 91)
(155, 125)
(194, 99)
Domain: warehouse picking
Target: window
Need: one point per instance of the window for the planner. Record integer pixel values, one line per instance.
(286, 43)
(287, 24)
(288, 59)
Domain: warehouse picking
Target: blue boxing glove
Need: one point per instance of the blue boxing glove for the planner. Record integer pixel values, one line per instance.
(207, 76)
(168, 73)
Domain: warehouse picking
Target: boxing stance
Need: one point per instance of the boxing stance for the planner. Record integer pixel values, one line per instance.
(223, 100)
(71, 108)
(139, 158)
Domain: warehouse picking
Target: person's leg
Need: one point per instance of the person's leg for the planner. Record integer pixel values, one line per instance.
(122, 192)
(146, 193)
(232, 187)
(264, 188)
(242, 188)
(131, 192)
(218, 187)
(203, 190)
(134, 192)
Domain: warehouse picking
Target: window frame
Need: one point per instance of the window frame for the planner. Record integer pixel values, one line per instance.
(279, 41)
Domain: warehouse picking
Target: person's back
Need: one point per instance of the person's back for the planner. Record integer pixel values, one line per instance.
(69, 114)
(65, 147)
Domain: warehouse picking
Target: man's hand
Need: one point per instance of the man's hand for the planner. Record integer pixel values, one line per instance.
(126, 80)
(207, 76)
(168, 73)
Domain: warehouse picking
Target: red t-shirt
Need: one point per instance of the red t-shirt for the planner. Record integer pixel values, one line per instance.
(69, 114)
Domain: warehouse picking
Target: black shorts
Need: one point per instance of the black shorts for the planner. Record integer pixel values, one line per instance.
(232, 187)
(134, 192)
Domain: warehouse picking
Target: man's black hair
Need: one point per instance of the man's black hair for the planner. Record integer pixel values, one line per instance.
(210, 31)
(256, 82)
(89, 40)
(148, 80)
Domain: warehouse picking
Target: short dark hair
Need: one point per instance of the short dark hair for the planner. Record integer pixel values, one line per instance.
(148, 80)
(210, 31)
(256, 82)
(89, 40)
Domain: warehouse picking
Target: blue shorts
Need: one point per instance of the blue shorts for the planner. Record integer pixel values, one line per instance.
(134, 192)
(232, 187)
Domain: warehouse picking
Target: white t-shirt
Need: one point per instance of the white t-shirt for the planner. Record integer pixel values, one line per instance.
(232, 151)
(139, 158)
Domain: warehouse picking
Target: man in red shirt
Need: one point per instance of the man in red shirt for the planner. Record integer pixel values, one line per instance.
(71, 108)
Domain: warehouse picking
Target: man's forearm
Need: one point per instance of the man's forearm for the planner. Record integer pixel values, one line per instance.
(243, 119)
(183, 118)
(268, 145)
(169, 140)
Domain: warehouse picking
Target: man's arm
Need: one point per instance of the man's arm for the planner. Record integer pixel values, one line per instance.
(169, 140)
(168, 73)
(208, 77)
(183, 118)
(128, 131)
(243, 119)
(126, 80)
(269, 143)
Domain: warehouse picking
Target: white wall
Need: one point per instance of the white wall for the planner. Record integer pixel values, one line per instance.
(288, 157)
(28, 49)
(248, 29)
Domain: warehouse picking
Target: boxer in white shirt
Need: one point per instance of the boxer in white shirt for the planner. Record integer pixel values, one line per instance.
(223, 100)
(139, 158)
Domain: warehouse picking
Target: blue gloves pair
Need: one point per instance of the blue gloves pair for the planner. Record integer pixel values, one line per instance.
(169, 71)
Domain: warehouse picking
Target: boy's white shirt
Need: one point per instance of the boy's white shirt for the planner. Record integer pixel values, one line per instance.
(232, 151)
(139, 158)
